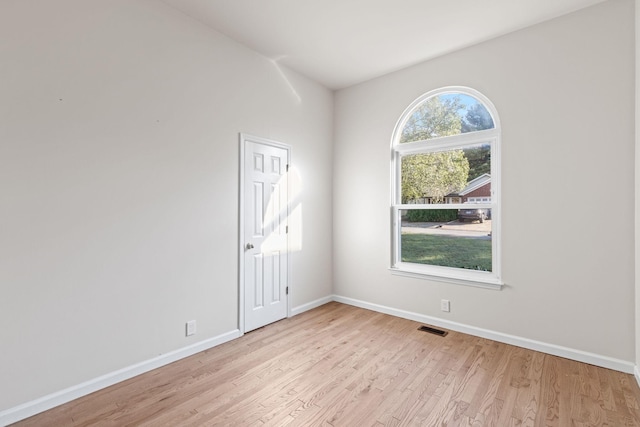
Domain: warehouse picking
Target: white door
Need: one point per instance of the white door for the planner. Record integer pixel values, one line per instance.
(265, 252)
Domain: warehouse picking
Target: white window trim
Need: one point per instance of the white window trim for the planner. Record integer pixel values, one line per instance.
(484, 279)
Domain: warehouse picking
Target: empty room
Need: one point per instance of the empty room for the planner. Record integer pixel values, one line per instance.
(306, 212)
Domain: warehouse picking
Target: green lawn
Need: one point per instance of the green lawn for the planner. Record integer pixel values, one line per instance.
(474, 254)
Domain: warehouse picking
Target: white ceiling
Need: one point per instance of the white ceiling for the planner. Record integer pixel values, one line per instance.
(340, 43)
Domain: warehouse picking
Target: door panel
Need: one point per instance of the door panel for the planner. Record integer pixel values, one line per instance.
(265, 241)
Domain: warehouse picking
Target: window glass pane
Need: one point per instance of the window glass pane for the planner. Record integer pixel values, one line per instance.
(445, 177)
(445, 115)
(430, 237)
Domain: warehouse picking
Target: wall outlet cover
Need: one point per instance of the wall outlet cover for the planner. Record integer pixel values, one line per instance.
(445, 305)
(191, 327)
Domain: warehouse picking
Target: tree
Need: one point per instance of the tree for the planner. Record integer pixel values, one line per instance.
(437, 116)
(479, 160)
(477, 118)
(433, 175)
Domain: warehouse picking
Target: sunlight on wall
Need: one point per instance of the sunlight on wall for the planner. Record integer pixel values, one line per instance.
(281, 213)
(284, 77)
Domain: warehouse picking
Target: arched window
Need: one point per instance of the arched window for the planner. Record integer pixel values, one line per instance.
(445, 185)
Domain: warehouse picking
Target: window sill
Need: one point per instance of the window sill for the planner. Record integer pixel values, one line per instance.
(474, 279)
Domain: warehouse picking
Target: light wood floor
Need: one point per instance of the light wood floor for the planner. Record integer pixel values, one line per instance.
(343, 366)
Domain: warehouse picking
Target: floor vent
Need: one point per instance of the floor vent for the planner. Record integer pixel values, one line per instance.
(433, 331)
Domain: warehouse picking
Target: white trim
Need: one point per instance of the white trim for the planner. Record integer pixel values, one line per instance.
(241, 236)
(474, 278)
(446, 143)
(60, 397)
(556, 350)
(243, 138)
(636, 373)
(311, 305)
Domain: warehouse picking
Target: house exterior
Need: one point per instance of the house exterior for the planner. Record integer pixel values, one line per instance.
(478, 190)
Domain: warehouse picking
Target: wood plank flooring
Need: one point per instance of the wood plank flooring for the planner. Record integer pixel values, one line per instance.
(339, 365)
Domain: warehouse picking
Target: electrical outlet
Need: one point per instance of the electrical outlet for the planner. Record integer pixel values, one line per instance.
(445, 305)
(191, 327)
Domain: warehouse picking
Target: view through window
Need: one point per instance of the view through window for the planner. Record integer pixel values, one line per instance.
(445, 201)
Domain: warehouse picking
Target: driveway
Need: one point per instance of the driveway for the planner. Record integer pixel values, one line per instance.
(473, 230)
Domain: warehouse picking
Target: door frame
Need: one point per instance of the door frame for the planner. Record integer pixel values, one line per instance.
(245, 138)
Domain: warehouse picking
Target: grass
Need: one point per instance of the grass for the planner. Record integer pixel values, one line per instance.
(447, 251)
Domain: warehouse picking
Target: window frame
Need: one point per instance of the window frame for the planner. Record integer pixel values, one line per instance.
(484, 279)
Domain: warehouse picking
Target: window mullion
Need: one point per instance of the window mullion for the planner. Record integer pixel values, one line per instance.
(446, 143)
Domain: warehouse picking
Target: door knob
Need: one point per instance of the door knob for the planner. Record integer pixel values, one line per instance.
(249, 246)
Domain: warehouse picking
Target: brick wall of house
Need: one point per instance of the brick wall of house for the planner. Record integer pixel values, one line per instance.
(484, 191)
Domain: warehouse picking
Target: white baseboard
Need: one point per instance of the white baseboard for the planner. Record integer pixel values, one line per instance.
(33, 407)
(52, 400)
(556, 350)
(311, 305)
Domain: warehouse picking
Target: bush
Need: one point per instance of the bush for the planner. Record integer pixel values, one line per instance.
(438, 215)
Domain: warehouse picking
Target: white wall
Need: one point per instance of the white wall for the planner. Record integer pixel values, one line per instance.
(119, 127)
(564, 93)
